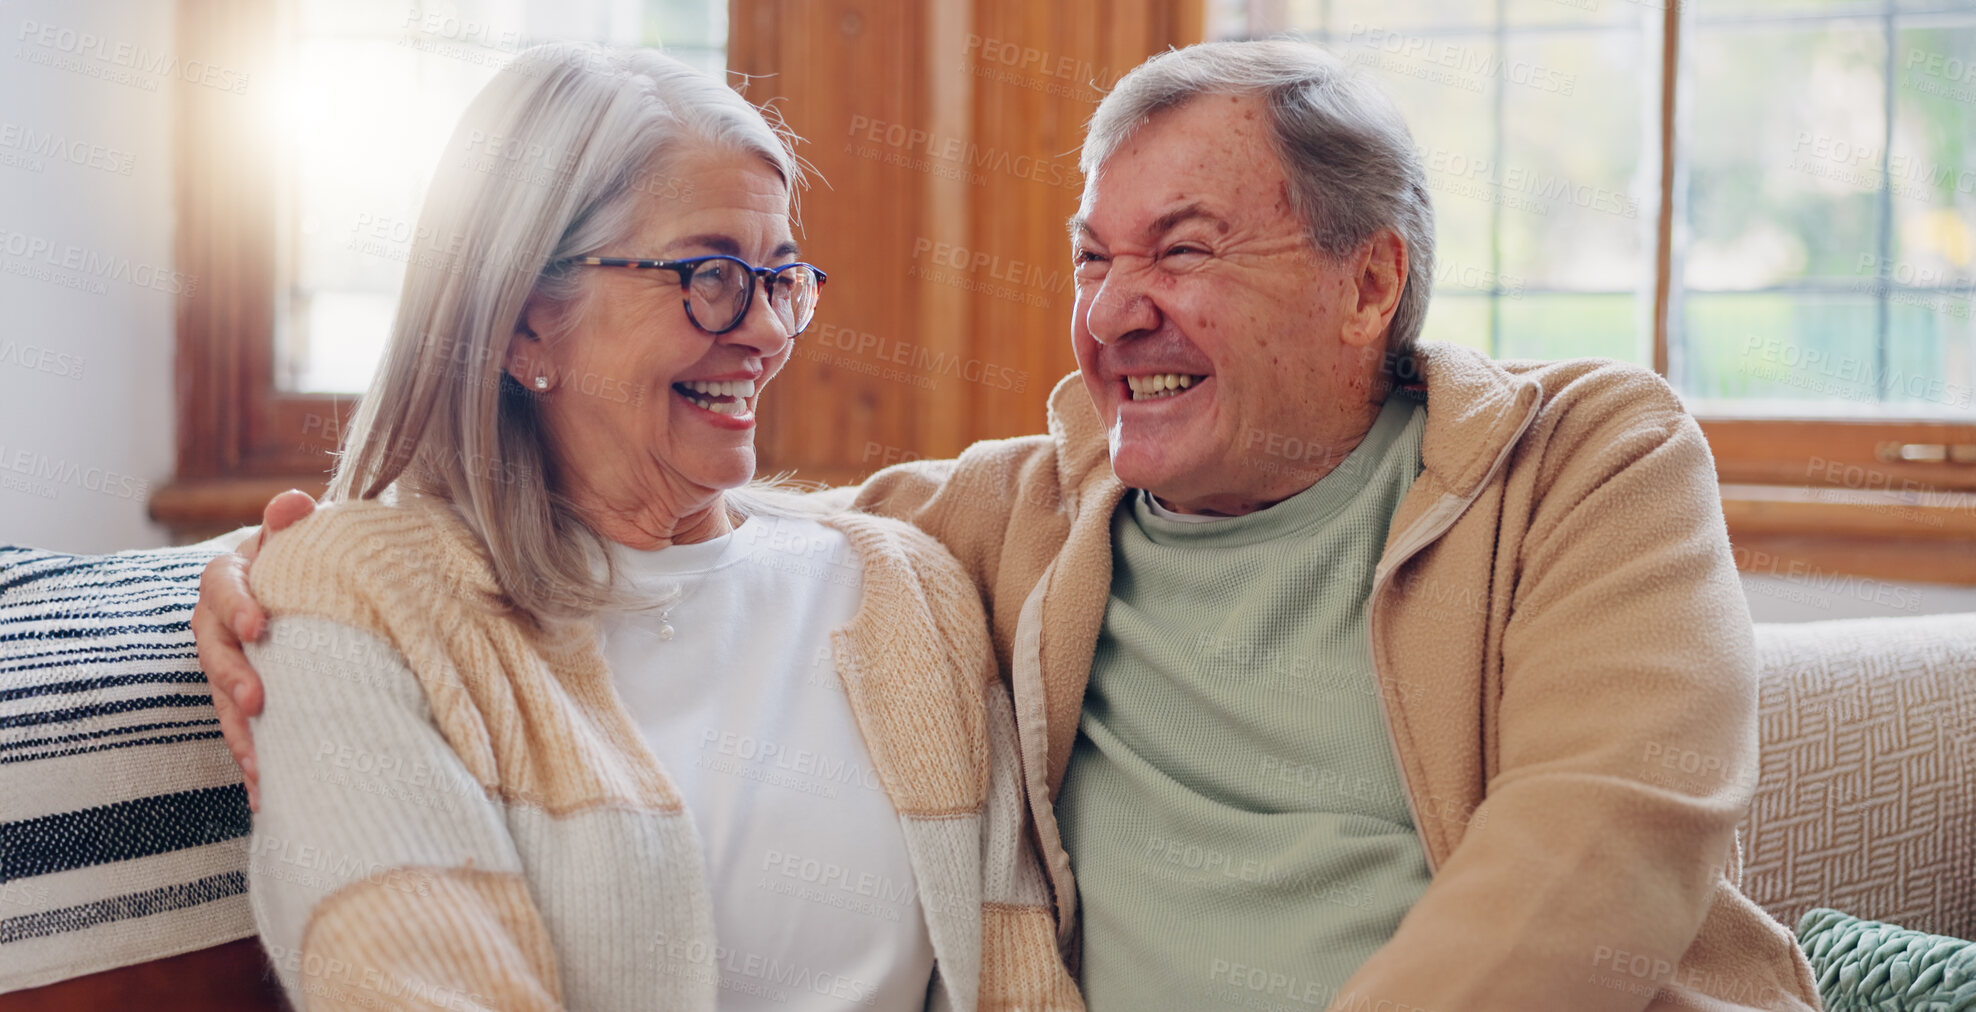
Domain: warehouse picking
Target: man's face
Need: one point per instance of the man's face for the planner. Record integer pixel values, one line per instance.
(1209, 329)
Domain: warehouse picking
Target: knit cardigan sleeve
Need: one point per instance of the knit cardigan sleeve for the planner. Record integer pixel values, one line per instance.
(1626, 751)
(380, 870)
(382, 874)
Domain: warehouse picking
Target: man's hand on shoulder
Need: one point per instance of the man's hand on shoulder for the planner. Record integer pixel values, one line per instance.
(226, 617)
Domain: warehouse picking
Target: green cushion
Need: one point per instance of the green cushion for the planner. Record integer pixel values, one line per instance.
(1867, 966)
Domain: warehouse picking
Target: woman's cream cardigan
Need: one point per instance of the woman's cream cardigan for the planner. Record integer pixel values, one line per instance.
(457, 814)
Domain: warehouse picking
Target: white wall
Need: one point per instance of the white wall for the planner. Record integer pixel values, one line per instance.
(86, 411)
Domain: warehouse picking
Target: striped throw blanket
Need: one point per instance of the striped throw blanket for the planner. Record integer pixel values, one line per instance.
(123, 824)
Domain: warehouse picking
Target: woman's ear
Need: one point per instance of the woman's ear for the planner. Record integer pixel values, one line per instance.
(528, 354)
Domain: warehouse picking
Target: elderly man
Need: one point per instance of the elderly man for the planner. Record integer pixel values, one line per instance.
(1343, 667)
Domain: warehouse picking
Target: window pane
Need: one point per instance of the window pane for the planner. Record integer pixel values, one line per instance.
(373, 92)
(1349, 17)
(1458, 317)
(1724, 10)
(1574, 139)
(1830, 175)
(347, 330)
(1548, 13)
(1934, 160)
(1783, 348)
(1932, 273)
(1783, 153)
(1932, 366)
(1548, 325)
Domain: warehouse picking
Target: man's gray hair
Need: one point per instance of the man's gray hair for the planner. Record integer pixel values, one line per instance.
(1352, 163)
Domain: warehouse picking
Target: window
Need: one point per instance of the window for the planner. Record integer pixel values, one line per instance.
(298, 201)
(1788, 234)
(904, 365)
(1824, 192)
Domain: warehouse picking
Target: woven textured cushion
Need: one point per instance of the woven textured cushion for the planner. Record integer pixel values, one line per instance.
(123, 824)
(1867, 966)
(1867, 795)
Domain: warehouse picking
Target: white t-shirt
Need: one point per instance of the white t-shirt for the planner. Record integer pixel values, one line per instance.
(815, 904)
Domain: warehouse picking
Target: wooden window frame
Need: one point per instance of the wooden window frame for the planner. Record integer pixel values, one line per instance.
(240, 440)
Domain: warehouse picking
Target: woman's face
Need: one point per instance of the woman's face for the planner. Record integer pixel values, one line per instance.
(628, 379)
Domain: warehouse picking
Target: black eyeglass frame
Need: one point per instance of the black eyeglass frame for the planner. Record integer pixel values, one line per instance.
(686, 268)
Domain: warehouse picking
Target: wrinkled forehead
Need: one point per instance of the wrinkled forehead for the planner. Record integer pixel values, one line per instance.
(1212, 159)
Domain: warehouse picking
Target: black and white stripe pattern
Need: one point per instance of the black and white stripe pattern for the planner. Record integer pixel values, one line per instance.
(123, 824)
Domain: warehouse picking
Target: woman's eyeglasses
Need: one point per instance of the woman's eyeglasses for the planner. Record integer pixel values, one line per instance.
(720, 289)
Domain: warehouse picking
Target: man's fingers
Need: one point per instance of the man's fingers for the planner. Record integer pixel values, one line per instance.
(285, 509)
(244, 616)
(240, 742)
(281, 512)
(236, 696)
(233, 725)
(246, 689)
(223, 590)
(231, 677)
(230, 674)
(225, 616)
(211, 636)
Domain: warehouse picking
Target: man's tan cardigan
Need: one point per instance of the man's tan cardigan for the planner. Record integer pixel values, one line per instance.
(1555, 613)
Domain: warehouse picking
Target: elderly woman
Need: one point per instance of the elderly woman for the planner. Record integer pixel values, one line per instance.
(562, 712)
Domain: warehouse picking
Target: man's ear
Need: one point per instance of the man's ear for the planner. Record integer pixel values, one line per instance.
(1379, 275)
(528, 354)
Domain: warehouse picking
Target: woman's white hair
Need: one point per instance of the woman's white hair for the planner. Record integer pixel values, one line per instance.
(551, 161)
(1351, 161)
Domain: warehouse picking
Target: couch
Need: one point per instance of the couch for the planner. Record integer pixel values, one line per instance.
(123, 880)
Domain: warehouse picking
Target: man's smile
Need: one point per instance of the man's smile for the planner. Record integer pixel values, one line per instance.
(1160, 385)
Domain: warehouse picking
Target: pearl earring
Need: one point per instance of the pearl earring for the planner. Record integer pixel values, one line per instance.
(541, 382)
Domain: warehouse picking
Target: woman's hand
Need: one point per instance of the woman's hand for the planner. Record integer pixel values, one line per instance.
(227, 616)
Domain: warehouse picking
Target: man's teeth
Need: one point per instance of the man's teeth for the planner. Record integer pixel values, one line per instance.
(723, 388)
(1166, 384)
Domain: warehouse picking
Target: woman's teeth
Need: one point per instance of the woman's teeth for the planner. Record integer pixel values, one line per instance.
(732, 395)
(1166, 384)
(722, 388)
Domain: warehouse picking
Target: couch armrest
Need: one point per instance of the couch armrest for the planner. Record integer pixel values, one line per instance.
(1867, 793)
(234, 977)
